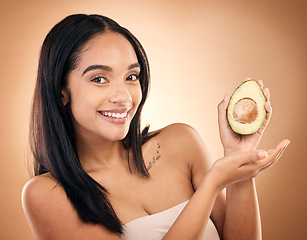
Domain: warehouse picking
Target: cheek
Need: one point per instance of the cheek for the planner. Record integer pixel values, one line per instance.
(137, 96)
(78, 110)
(82, 104)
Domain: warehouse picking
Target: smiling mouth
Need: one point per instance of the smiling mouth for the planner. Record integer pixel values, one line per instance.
(114, 115)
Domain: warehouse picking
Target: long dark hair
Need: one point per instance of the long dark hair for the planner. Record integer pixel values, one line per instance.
(51, 132)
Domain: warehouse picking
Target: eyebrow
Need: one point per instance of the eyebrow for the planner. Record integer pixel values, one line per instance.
(107, 68)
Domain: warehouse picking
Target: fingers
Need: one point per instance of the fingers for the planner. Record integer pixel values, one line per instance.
(224, 103)
(251, 157)
(238, 167)
(267, 94)
(266, 91)
(267, 118)
(268, 109)
(274, 154)
(257, 161)
(222, 119)
(260, 83)
(282, 150)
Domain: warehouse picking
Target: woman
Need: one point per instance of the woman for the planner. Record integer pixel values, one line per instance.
(99, 177)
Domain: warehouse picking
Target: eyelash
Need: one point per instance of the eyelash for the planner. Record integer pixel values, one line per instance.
(137, 77)
(98, 78)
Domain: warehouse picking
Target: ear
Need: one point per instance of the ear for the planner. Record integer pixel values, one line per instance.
(65, 95)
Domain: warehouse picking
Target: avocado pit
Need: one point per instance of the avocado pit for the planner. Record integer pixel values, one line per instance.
(245, 110)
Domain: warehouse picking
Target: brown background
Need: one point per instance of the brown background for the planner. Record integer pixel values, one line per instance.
(198, 50)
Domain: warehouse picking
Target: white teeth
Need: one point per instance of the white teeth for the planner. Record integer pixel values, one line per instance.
(115, 115)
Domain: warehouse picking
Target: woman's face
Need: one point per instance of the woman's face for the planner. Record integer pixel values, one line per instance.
(104, 88)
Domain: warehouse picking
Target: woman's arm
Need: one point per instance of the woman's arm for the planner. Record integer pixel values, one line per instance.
(242, 216)
(209, 181)
(226, 171)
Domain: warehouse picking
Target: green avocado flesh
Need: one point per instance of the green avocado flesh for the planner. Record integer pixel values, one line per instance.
(246, 109)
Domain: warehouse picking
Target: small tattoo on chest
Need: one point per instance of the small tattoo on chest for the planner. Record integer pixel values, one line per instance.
(155, 158)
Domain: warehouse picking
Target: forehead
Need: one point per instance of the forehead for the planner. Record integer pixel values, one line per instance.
(108, 49)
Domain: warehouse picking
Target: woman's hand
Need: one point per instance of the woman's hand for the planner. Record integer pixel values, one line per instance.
(243, 166)
(233, 142)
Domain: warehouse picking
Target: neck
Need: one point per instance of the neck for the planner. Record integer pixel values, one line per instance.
(96, 154)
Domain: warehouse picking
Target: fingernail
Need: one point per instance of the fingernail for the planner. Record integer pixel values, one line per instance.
(286, 144)
(262, 154)
(225, 97)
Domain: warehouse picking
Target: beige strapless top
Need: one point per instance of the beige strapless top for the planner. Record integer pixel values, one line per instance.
(155, 226)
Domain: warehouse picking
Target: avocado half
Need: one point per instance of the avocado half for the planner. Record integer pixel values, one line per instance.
(246, 109)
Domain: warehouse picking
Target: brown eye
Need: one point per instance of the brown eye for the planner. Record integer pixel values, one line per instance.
(99, 80)
(132, 77)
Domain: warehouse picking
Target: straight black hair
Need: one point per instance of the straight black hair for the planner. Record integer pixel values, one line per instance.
(51, 133)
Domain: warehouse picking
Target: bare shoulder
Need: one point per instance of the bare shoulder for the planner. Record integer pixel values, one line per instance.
(38, 196)
(52, 216)
(177, 128)
(43, 180)
(39, 189)
(183, 145)
(182, 139)
(177, 132)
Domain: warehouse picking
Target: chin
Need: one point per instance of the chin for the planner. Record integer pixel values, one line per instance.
(117, 135)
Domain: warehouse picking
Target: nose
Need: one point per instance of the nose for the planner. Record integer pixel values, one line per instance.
(120, 93)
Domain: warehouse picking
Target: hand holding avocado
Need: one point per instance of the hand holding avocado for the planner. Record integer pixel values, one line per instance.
(242, 120)
(244, 116)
